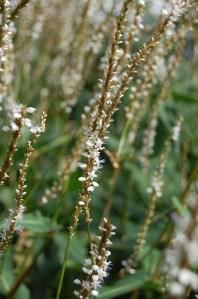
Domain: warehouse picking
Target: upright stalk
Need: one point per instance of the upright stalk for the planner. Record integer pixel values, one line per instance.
(62, 273)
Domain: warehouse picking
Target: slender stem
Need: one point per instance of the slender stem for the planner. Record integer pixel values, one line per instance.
(89, 235)
(2, 263)
(90, 241)
(188, 293)
(125, 212)
(192, 179)
(123, 139)
(109, 202)
(21, 5)
(119, 152)
(62, 274)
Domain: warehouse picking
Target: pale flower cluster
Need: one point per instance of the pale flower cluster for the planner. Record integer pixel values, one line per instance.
(137, 24)
(13, 219)
(96, 268)
(15, 113)
(157, 181)
(156, 185)
(93, 148)
(6, 58)
(182, 257)
(176, 132)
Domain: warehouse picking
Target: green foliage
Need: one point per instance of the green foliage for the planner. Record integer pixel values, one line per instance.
(124, 286)
(32, 261)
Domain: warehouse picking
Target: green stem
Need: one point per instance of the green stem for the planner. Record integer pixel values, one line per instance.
(62, 274)
(109, 202)
(125, 214)
(2, 263)
(123, 138)
(116, 171)
(90, 241)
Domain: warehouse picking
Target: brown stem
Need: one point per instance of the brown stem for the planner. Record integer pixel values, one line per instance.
(17, 9)
(12, 148)
(192, 178)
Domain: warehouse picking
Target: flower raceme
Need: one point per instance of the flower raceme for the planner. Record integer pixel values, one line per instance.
(16, 213)
(155, 192)
(79, 38)
(97, 266)
(108, 100)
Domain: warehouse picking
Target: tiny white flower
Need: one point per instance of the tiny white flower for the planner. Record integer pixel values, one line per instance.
(5, 128)
(31, 110)
(176, 289)
(90, 188)
(17, 115)
(165, 12)
(95, 184)
(77, 281)
(94, 293)
(14, 127)
(82, 179)
(27, 122)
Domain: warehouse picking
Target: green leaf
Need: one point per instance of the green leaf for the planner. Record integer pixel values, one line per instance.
(151, 261)
(124, 285)
(186, 93)
(37, 223)
(23, 293)
(6, 275)
(178, 205)
(77, 250)
(151, 285)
